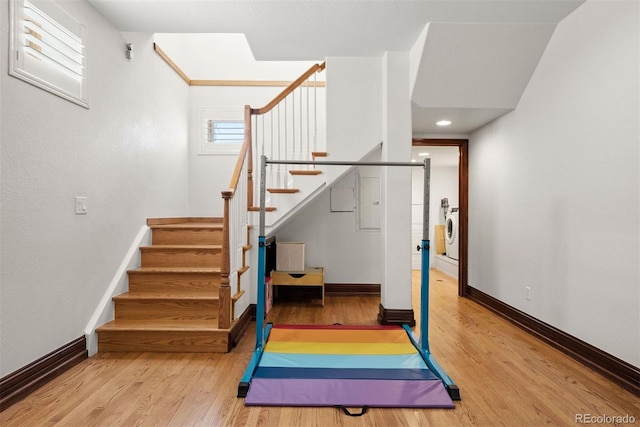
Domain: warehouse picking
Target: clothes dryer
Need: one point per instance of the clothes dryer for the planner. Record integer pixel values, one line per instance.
(451, 228)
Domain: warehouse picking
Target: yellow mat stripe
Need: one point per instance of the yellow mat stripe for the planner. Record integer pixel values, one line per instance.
(333, 335)
(339, 348)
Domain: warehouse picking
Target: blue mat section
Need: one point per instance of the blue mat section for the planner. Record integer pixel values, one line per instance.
(342, 361)
(330, 373)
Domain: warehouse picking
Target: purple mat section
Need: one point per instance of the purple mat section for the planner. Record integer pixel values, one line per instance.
(332, 392)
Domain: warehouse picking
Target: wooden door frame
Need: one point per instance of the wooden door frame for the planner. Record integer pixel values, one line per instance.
(463, 201)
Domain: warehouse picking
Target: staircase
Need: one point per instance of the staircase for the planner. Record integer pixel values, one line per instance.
(173, 300)
(192, 279)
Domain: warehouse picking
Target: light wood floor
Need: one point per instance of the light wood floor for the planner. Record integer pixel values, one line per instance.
(506, 378)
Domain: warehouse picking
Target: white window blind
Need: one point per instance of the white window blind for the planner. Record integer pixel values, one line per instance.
(222, 130)
(49, 49)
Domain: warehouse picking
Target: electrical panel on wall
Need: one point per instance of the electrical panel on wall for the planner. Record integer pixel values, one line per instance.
(368, 202)
(342, 199)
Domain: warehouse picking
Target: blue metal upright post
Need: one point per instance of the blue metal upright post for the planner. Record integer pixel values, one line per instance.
(424, 298)
(424, 282)
(260, 304)
(262, 250)
(431, 362)
(261, 331)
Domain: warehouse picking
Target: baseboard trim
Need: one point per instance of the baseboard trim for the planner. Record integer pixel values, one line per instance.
(350, 289)
(387, 316)
(239, 328)
(27, 379)
(617, 370)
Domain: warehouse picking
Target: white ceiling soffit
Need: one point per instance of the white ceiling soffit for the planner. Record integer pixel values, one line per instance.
(311, 29)
(478, 65)
(464, 120)
(472, 73)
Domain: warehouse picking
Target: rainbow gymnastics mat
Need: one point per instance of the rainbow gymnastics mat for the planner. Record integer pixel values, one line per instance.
(348, 366)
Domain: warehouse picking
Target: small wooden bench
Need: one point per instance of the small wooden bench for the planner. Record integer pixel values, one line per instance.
(310, 276)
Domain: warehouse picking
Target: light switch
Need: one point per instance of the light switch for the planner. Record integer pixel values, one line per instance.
(81, 205)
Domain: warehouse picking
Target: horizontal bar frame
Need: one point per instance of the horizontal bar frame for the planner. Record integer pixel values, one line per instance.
(341, 163)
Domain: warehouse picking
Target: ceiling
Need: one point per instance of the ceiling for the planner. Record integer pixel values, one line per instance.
(470, 59)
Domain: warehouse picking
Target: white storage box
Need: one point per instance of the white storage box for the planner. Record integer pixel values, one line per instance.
(290, 256)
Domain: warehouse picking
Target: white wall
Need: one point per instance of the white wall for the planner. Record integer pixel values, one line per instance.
(367, 102)
(210, 174)
(127, 154)
(396, 192)
(227, 57)
(354, 109)
(353, 129)
(332, 240)
(554, 186)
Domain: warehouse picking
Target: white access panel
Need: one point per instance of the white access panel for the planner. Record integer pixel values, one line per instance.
(369, 203)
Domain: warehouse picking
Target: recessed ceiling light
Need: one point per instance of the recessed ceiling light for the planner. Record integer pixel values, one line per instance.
(444, 123)
(423, 154)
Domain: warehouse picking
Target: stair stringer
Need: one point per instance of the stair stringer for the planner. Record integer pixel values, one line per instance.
(119, 284)
(288, 205)
(336, 173)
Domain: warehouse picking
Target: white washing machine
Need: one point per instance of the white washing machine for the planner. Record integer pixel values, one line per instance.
(451, 228)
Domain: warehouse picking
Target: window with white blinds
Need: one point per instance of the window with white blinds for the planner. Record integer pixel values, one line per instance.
(49, 49)
(222, 130)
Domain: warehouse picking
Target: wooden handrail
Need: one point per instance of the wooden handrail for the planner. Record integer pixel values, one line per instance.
(246, 154)
(249, 83)
(294, 85)
(245, 150)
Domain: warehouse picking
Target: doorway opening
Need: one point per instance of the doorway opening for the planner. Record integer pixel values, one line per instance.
(449, 205)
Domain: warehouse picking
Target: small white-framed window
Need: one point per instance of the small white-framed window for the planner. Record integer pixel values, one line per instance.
(48, 49)
(222, 130)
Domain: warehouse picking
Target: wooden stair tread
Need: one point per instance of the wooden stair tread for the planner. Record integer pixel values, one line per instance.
(161, 247)
(319, 154)
(257, 208)
(175, 270)
(184, 220)
(214, 225)
(306, 172)
(160, 325)
(207, 295)
(283, 190)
